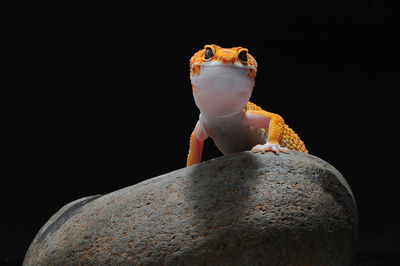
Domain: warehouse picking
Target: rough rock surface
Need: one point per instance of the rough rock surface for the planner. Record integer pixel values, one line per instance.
(241, 209)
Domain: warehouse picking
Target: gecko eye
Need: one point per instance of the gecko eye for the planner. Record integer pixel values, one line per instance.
(243, 56)
(208, 53)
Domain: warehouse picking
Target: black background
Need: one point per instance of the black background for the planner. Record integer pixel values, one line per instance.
(96, 96)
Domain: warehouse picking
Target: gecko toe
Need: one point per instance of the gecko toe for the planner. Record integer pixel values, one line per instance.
(258, 148)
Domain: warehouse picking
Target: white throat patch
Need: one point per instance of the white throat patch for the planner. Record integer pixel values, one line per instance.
(222, 89)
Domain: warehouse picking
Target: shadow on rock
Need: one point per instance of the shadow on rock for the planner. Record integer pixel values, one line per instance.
(219, 190)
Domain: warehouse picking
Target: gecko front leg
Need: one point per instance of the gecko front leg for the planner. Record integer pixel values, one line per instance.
(197, 139)
(271, 122)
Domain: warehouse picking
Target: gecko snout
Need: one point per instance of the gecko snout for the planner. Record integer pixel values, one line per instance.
(228, 57)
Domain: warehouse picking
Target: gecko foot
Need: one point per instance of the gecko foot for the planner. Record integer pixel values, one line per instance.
(276, 148)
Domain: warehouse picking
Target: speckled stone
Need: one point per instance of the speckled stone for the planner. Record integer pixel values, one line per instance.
(240, 209)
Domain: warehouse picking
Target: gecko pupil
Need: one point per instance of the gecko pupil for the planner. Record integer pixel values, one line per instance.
(208, 53)
(243, 56)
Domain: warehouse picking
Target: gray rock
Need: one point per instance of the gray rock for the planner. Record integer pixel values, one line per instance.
(241, 209)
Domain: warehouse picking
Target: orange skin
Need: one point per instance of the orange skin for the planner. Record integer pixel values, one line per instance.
(279, 137)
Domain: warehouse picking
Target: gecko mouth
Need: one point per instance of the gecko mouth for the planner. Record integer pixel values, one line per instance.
(237, 66)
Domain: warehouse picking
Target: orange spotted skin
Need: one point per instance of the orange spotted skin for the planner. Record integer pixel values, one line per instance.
(288, 138)
(224, 55)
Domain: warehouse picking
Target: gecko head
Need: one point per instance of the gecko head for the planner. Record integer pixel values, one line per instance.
(222, 79)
